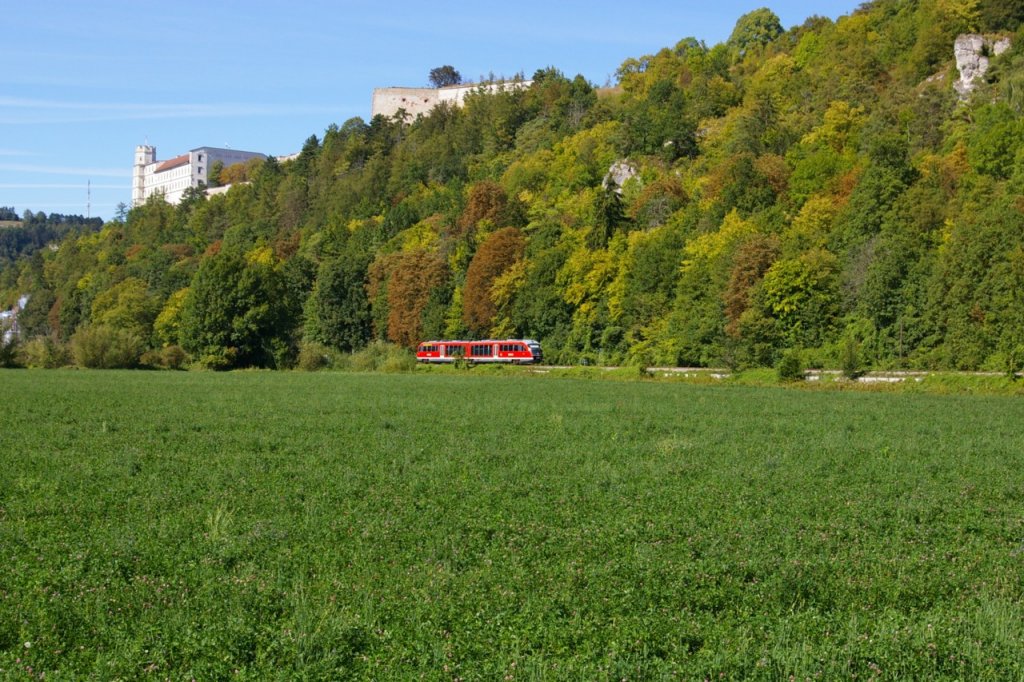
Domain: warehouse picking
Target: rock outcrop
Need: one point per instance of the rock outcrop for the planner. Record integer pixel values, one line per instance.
(618, 174)
(972, 59)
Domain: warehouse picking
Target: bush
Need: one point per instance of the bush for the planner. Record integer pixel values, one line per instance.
(790, 367)
(43, 352)
(168, 357)
(219, 359)
(103, 347)
(399, 362)
(315, 356)
(383, 357)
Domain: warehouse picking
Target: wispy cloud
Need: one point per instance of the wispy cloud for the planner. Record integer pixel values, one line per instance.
(56, 185)
(57, 111)
(66, 170)
(80, 205)
(16, 152)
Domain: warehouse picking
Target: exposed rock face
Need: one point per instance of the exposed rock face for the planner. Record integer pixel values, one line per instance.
(971, 52)
(619, 173)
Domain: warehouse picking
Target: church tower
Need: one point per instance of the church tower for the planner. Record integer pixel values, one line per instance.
(144, 156)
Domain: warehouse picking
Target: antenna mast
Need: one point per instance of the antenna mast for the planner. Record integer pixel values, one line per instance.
(88, 198)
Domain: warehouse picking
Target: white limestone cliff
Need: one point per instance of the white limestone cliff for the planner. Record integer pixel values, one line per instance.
(972, 59)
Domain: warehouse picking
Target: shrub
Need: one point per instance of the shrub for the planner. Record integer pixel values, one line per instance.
(403, 361)
(849, 359)
(104, 347)
(219, 359)
(168, 357)
(43, 352)
(383, 357)
(790, 367)
(315, 356)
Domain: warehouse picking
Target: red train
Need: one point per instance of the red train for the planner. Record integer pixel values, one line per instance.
(513, 351)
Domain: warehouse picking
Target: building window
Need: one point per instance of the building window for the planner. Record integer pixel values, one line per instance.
(200, 170)
(200, 158)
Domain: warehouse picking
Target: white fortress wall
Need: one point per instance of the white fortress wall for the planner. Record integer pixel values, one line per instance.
(417, 101)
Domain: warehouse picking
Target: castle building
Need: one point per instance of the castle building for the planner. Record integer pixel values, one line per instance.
(172, 177)
(421, 101)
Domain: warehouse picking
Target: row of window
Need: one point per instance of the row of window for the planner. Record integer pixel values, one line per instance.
(475, 349)
(165, 186)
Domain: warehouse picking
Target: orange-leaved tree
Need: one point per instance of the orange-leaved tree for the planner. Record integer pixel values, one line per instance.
(415, 276)
(497, 254)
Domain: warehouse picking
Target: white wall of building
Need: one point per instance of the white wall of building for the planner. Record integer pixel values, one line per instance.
(417, 101)
(174, 176)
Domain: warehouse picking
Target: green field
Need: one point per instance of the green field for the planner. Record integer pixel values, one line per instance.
(423, 526)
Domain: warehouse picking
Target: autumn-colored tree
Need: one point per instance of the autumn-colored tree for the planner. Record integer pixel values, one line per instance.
(656, 202)
(239, 172)
(415, 276)
(487, 201)
(749, 264)
(499, 251)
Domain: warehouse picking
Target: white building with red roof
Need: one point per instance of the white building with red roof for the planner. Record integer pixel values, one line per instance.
(173, 176)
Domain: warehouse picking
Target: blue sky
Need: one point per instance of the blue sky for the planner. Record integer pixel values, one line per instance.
(83, 83)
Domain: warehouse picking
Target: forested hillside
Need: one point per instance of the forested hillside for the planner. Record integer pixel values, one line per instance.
(819, 189)
(26, 235)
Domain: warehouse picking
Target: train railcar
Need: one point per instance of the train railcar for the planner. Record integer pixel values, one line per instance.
(511, 351)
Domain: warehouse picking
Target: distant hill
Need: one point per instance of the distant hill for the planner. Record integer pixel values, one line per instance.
(21, 238)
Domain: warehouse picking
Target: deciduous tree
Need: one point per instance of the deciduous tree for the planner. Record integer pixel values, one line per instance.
(443, 76)
(498, 252)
